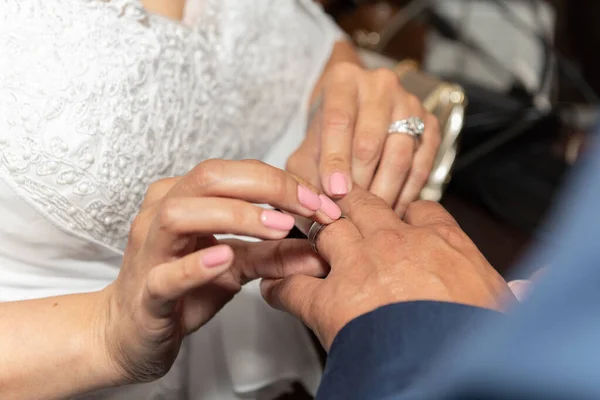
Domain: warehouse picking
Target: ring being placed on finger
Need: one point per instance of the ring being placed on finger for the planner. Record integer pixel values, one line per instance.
(313, 233)
(413, 126)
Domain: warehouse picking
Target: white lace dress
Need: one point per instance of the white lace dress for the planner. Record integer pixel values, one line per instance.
(99, 98)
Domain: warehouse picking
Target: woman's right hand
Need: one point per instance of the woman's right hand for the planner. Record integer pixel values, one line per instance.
(176, 276)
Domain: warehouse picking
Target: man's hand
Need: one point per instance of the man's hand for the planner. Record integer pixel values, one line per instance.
(377, 259)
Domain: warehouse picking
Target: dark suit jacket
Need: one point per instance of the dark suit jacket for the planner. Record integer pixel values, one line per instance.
(546, 348)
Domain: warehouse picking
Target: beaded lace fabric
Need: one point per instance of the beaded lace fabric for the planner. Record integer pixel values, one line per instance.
(99, 98)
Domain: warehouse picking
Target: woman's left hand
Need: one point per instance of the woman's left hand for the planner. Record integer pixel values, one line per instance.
(348, 142)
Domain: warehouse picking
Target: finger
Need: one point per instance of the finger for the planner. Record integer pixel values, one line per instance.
(337, 120)
(398, 152)
(304, 163)
(181, 216)
(167, 283)
(371, 126)
(335, 242)
(424, 213)
(422, 165)
(368, 212)
(293, 294)
(157, 190)
(275, 259)
(434, 215)
(255, 182)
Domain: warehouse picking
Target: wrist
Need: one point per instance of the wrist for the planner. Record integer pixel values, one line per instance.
(99, 341)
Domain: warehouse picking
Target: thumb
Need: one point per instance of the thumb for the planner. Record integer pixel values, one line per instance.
(294, 294)
(167, 283)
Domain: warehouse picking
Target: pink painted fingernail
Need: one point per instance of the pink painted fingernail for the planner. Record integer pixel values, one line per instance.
(329, 208)
(276, 220)
(338, 184)
(308, 198)
(217, 256)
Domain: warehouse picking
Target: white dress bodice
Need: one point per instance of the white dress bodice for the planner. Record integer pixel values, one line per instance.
(98, 98)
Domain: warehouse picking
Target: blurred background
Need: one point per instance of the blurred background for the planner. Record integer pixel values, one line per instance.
(527, 72)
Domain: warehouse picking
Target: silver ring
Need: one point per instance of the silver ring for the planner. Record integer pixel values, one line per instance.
(413, 126)
(314, 231)
(313, 234)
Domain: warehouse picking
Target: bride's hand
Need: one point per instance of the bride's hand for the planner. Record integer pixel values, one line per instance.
(176, 276)
(348, 141)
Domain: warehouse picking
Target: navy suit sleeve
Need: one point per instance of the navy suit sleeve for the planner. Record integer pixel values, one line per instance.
(379, 355)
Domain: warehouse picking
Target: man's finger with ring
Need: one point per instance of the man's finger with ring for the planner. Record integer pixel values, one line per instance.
(333, 241)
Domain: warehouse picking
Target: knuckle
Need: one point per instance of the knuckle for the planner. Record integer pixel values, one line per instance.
(388, 239)
(336, 119)
(253, 162)
(419, 206)
(399, 161)
(293, 163)
(334, 161)
(156, 187)
(386, 77)
(412, 102)
(235, 216)
(187, 270)
(366, 200)
(344, 70)
(153, 286)
(278, 183)
(449, 232)
(421, 174)
(168, 214)
(367, 146)
(208, 171)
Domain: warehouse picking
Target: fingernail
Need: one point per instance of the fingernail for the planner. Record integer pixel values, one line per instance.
(329, 208)
(308, 198)
(338, 184)
(276, 220)
(216, 256)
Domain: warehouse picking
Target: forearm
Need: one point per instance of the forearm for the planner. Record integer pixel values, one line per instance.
(53, 348)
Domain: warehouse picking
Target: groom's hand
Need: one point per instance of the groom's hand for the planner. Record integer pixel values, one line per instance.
(377, 259)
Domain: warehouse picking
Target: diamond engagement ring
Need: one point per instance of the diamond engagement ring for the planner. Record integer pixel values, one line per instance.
(413, 126)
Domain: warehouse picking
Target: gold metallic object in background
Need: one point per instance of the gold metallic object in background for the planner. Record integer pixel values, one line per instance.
(447, 102)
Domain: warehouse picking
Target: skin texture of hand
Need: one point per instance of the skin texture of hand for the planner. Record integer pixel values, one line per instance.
(347, 142)
(377, 259)
(176, 276)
